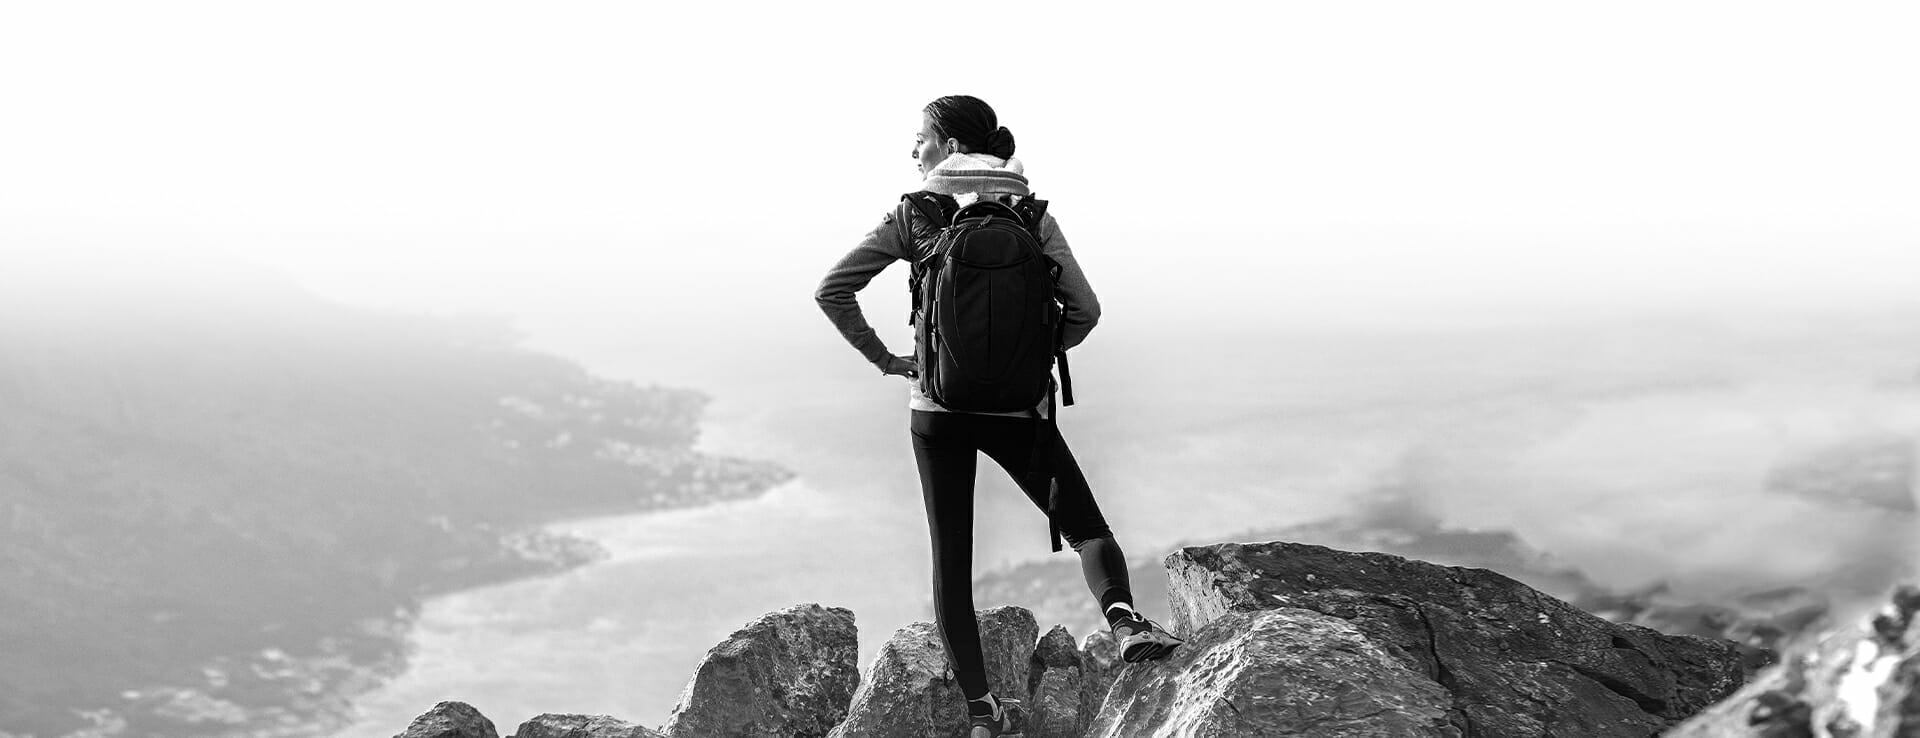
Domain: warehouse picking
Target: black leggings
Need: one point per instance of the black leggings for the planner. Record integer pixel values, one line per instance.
(945, 446)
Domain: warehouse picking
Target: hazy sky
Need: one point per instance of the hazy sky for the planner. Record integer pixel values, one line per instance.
(1250, 162)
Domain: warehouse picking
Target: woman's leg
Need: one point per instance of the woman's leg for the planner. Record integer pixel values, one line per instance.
(944, 450)
(1101, 561)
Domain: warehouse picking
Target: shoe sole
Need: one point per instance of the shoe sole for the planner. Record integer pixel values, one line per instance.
(1148, 652)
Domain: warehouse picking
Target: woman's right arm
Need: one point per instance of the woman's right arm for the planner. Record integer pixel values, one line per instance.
(1076, 294)
(836, 298)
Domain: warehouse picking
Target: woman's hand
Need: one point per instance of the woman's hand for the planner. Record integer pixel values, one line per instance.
(901, 365)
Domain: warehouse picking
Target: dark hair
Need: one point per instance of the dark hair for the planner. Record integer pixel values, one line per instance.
(971, 120)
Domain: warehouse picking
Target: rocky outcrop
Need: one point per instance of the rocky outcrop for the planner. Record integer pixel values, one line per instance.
(450, 720)
(1512, 661)
(1392, 519)
(1283, 639)
(550, 725)
(789, 674)
(910, 690)
(1859, 680)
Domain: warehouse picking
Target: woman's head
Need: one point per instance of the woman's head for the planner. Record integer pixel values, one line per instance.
(959, 123)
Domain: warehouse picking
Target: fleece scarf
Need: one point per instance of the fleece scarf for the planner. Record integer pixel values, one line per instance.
(967, 176)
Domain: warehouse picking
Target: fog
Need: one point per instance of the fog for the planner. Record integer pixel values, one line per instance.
(1242, 167)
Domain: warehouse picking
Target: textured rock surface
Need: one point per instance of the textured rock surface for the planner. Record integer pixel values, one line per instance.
(1285, 672)
(450, 720)
(551, 725)
(1860, 680)
(1100, 663)
(910, 690)
(1514, 661)
(1055, 685)
(788, 674)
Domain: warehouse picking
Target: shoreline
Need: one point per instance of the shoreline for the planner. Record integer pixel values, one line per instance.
(463, 638)
(307, 685)
(578, 552)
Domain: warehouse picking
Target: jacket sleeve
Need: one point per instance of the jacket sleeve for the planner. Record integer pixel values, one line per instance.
(1082, 308)
(835, 295)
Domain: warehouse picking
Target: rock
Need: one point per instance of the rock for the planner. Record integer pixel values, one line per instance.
(552, 725)
(1512, 660)
(1100, 664)
(1284, 672)
(910, 689)
(789, 674)
(1055, 686)
(1859, 680)
(450, 720)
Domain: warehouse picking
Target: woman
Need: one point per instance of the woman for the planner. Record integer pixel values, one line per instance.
(963, 151)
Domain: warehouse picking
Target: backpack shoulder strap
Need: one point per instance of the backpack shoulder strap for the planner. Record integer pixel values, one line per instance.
(900, 213)
(934, 206)
(1033, 210)
(938, 209)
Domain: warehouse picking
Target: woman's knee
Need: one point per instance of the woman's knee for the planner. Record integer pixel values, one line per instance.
(1076, 513)
(1081, 538)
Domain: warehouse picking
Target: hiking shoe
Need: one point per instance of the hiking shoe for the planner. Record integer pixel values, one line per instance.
(1009, 721)
(1142, 639)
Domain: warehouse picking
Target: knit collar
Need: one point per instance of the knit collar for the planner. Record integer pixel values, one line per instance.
(978, 173)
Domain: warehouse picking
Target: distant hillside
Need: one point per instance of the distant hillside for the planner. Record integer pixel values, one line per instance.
(244, 474)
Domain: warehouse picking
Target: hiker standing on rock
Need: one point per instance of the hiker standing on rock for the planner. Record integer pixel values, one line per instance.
(998, 297)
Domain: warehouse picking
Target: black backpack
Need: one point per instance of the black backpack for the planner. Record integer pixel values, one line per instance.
(986, 316)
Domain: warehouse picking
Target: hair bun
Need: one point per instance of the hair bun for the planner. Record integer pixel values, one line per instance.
(1000, 143)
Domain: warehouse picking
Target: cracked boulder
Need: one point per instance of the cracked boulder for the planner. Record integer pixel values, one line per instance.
(1276, 672)
(1506, 659)
(910, 690)
(789, 674)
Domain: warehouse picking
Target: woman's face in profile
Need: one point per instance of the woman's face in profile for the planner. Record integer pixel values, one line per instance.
(928, 149)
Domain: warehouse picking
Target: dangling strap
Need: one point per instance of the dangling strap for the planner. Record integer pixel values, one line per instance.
(1053, 497)
(1066, 378)
(1040, 465)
